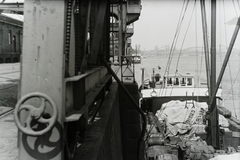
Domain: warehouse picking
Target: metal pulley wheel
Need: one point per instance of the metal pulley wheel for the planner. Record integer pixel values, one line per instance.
(35, 114)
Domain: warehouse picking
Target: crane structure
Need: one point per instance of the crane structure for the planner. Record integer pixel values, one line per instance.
(64, 80)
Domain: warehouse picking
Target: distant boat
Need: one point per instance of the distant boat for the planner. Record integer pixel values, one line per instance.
(136, 59)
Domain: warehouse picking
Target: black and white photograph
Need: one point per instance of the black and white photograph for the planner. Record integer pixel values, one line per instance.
(119, 80)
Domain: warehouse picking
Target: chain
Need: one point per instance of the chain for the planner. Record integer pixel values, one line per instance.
(68, 32)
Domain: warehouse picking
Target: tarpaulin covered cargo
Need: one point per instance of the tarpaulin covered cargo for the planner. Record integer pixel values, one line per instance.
(181, 116)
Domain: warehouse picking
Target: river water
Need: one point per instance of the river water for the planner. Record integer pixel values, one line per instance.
(194, 63)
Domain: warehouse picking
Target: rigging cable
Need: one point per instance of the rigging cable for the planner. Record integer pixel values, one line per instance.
(185, 35)
(224, 16)
(238, 4)
(196, 41)
(201, 62)
(173, 46)
(221, 61)
(232, 89)
(178, 26)
(180, 20)
(231, 77)
(229, 66)
(194, 9)
(234, 7)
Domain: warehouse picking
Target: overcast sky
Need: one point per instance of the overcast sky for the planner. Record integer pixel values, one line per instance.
(158, 21)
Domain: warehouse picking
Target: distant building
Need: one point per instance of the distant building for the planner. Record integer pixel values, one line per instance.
(11, 30)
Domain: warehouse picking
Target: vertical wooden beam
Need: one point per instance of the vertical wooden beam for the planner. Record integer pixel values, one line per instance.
(42, 70)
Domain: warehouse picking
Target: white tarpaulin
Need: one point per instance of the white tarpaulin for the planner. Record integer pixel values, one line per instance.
(179, 116)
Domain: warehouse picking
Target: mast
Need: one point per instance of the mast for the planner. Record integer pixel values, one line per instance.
(205, 40)
(214, 122)
(214, 118)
